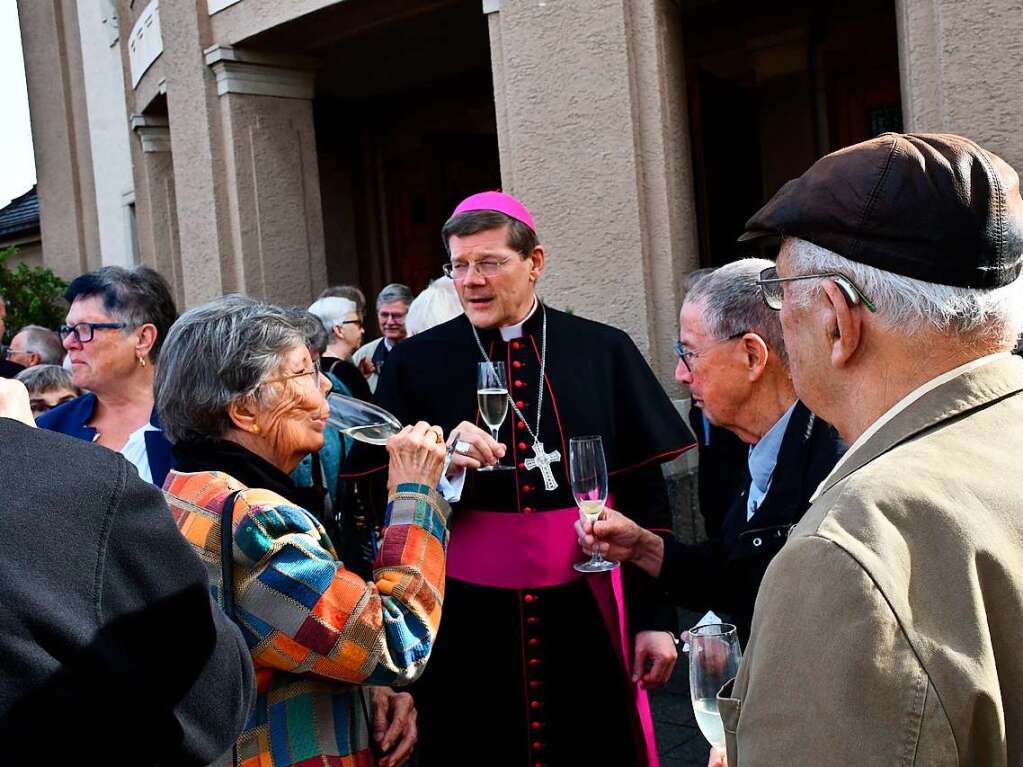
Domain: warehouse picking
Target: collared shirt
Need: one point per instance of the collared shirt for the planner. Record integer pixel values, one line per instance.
(763, 457)
(901, 405)
(388, 344)
(135, 452)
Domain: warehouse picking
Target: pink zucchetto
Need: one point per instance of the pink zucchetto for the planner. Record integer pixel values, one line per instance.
(496, 201)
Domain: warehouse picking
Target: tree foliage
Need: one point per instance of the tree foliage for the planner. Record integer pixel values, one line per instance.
(34, 296)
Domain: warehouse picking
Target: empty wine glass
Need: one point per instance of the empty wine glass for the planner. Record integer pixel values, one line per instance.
(588, 472)
(492, 396)
(714, 656)
(361, 420)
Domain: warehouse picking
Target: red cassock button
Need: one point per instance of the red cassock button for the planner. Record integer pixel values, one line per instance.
(534, 662)
(532, 620)
(528, 510)
(523, 446)
(516, 364)
(520, 465)
(519, 384)
(522, 424)
(519, 404)
(535, 704)
(534, 642)
(537, 725)
(537, 745)
(527, 488)
(536, 684)
(537, 764)
(516, 344)
(529, 598)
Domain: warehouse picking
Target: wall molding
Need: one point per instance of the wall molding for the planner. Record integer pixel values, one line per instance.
(260, 74)
(153, 132)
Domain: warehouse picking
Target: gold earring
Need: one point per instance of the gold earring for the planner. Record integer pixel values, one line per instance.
(142, 361)
(255, 428)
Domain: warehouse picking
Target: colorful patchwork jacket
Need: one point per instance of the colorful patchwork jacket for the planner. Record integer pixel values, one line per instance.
(316, 631)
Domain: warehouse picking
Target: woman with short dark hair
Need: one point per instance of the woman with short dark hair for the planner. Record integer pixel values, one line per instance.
(115, 326)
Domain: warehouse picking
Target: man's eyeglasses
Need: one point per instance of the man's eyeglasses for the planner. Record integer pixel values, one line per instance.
(459, 270)
(771, 287)
(9, 353)
(86, 331)
(689, 357)
(313, 375)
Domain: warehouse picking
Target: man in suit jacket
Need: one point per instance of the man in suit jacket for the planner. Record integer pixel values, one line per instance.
(732, 356)
(111, 650)
(888, 629)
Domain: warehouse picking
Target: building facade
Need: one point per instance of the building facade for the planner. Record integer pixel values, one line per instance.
(275, 147)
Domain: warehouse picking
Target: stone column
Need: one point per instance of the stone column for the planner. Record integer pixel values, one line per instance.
(60, 135)
(594, 137)
(156, 202)
(273, 188)
(960, 71)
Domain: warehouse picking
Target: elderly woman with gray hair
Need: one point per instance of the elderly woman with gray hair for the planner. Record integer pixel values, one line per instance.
(243, 402)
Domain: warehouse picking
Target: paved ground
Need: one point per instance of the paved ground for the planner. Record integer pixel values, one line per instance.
(679, 741)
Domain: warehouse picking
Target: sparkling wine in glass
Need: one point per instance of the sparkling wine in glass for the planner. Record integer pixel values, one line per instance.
(492, 396)
(360, 420)
(714, 656)
(588, 472)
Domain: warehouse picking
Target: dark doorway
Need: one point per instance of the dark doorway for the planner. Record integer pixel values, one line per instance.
(774, 86)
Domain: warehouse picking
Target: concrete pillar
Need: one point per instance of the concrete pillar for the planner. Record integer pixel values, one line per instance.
(273, 188)
(60, 135)
(960, 71)
(159, 238)
(594, 137)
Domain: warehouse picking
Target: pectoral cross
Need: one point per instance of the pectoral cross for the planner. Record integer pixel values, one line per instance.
(543, 461)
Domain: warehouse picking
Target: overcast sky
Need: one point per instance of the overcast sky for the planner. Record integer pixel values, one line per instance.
(17, 164)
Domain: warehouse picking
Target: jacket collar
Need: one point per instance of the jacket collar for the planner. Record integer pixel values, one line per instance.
(969, 391)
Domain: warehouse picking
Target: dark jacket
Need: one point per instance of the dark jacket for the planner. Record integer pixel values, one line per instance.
(72, 418)
(724, 573)
(111, 650)
(720, 471)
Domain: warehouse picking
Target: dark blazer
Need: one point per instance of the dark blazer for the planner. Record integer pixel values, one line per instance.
(724, 573)
(72, 418)
(720, 471)
(111, 650)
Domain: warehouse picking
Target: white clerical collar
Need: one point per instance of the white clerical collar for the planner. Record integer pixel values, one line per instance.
(511, 332)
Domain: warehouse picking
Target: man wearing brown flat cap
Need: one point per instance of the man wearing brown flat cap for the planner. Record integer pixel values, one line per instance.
(889, 629)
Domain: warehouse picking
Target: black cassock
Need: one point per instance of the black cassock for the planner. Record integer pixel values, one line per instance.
(525, 676)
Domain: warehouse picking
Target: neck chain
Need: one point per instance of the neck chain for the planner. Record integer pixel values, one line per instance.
(542, 460)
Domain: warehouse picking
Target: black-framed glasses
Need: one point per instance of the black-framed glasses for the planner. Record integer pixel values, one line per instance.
(350, 322)
(314, 376)
(771, 291)
(9, 353)
(86, 331)
(459, 270)
(688, 356)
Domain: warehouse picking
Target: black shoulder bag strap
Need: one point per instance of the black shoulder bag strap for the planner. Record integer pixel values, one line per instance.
(227, 571)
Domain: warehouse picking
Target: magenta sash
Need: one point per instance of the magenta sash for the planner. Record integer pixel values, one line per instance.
(530, 551)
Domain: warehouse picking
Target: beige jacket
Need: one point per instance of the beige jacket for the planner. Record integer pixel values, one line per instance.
(366, 352)
(889, 629)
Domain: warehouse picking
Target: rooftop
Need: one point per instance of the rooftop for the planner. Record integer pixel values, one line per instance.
(21, 215)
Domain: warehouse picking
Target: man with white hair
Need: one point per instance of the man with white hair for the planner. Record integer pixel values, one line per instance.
(35, 345)
(341, 319)
(888, 629)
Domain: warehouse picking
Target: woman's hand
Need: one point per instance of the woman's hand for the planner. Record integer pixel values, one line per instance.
(14, 401)
(417, 455)
(394, 724)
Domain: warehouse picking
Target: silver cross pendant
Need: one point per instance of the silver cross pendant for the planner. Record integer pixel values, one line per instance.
(543, 461)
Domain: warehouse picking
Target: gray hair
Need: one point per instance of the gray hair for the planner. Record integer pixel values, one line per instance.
(44, 342)
(732, 305)
(913, 306)
(331, 311)
(39, 379)
(216, 354)
(438, 303)
(394, 292)
(351, 292)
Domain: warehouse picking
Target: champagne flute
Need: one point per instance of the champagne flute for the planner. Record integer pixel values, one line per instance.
(360, 420)
(588, 472)
(714, 656)
(492, 396)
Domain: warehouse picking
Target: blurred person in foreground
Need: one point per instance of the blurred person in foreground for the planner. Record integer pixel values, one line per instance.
(35, 345)
(115, 326)
(437, 304)
(111, 650)
(888, 629)
(732, 355)
(344, 328)
(243, 403)
(392, 308)
(48, 386)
